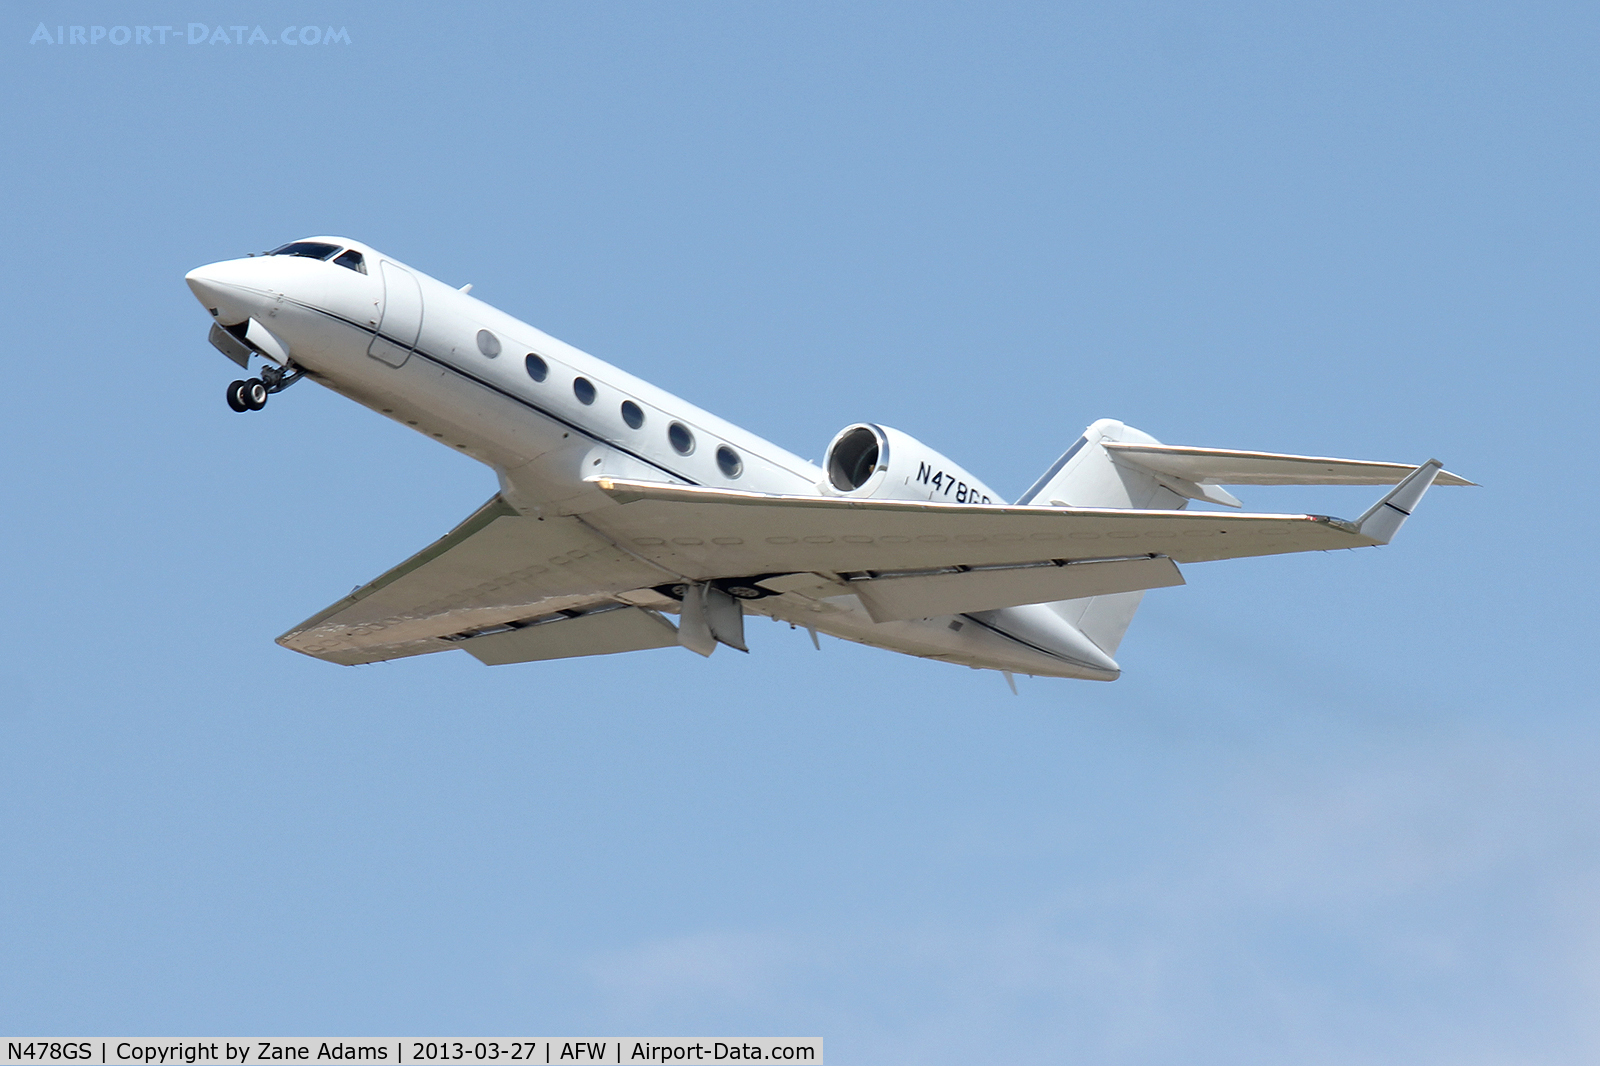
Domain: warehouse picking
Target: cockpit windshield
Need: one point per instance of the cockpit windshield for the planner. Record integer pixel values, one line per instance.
(309, 249)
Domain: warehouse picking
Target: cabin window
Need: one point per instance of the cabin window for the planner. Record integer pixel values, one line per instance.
(583, 389)
(632, 414)
(351, 260)
(729, 462)
(538, 369)
(488, 344)
(681, 439)
(308, 249)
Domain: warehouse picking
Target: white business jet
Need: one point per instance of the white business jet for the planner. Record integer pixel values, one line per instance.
(621, 504)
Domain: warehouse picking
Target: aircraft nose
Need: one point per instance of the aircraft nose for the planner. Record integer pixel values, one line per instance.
(222, 289)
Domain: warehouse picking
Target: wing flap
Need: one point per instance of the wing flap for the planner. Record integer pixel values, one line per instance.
(605, 631)
(1221, 466)
(897, 597)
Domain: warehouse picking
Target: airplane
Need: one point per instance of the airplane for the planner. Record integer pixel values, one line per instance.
(629, 519)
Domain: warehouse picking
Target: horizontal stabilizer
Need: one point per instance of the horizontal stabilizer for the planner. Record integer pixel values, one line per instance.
(1220, 466)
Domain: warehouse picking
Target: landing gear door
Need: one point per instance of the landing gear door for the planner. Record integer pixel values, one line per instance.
(402, 316)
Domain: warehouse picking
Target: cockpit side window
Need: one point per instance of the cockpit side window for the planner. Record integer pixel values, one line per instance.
(309, 249)
(351, 260)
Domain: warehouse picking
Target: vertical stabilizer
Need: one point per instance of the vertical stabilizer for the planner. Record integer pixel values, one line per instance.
(1103, 619)
(1087, 475)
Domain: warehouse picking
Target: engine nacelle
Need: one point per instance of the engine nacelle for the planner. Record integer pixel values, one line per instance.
(876, 462)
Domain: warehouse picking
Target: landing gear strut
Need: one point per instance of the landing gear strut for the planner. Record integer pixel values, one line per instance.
(252, 395)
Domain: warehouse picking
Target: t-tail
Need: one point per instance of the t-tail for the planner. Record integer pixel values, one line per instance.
(1114, 465)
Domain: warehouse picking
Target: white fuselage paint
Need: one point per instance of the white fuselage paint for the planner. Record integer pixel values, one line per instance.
(544, 443)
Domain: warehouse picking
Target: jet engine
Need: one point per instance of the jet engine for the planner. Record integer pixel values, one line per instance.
(875, 462)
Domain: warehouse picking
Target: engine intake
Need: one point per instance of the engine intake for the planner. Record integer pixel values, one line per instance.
(876, 462)
(853, 457)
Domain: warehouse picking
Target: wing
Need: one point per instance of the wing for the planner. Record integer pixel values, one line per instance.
(503, 587)
(912, 559)
(708, 533)
(508, 588)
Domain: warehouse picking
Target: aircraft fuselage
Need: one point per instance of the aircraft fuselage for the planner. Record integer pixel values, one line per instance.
(550, 419)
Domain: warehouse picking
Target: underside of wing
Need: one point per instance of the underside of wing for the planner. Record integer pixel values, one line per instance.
(510, 588)
(1220, 466)
(890, 596)
(603, 630)
(498, 574)
(706, 533)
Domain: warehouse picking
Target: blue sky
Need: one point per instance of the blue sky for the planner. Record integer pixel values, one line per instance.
(1340, 808)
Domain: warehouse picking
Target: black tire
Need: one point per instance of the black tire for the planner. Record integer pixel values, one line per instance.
(236, 397)
(254, 394)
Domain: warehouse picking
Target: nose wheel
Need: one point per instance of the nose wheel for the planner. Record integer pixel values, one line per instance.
(252, 395)
(247, 395)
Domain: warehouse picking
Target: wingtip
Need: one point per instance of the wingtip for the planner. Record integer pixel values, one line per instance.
(1446, 477)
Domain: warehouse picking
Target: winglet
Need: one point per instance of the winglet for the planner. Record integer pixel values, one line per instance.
(1384, 518)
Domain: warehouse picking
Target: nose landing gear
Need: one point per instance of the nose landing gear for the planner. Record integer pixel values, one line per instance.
(247, 395)
(252, 395)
